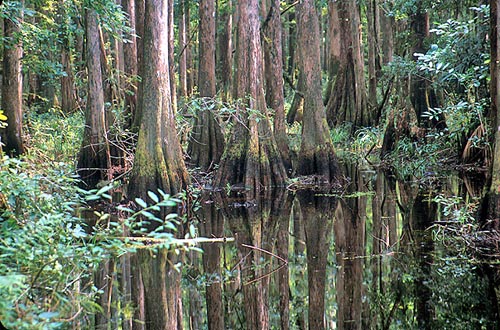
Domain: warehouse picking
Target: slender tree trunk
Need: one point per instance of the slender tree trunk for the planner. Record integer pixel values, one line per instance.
(225, 48)
(422, 95)
(94, 157)
(494, 188)
(316, 151)
(130, 57)
(373, 18)
(183, 39)
(213, 226)
(171, 55)
(275, 96)
(12, 84)
(139, 28)
(207, 142)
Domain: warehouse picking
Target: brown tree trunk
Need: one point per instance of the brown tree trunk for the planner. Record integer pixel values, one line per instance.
(422, 95)
(316, 151)
(12, 84)
(225, 48)
(171, 55)
(494, 188)
(213, 226)
(130, 58)
(275, 96)
(207, 142)
(183, 40)
(318, 221)
(94, 157)
(251, 157)
(373, 18)
(139, 28)
(387, 36)
(348, 99)
(158, 164)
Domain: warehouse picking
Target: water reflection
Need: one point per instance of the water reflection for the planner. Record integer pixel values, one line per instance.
(361, 259)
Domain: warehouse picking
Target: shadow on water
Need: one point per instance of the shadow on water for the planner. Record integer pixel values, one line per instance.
(369, 257)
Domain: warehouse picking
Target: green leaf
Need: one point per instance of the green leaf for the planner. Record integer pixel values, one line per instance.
(153, 196)
(141, 202)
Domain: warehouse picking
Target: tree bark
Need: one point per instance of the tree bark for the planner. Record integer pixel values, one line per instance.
(183, 40)
(12, 84)
(207, 142)
(422, 95)
(158, 164)
(348, 99)
(225, 48)
(130, 57)
(318, 230)
(213, 226)
(94, 157)
(316, 151)
(275, 96)
(251, 157)
(494, 188)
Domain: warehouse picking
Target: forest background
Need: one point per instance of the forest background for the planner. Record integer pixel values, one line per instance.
(132, 107)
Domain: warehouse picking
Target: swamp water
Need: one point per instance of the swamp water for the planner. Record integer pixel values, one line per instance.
(371, 257)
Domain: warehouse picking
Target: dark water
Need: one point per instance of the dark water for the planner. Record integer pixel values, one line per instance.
(375, 255)
(370, 257)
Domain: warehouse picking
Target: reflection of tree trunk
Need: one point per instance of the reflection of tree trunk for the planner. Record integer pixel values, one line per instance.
(298, 251)
(138, 298)
(254, 223)
(318, 218)
(212, 226)
(422, 215)
(195, 302)
(161, 283)
(283, 277)
(349, 229)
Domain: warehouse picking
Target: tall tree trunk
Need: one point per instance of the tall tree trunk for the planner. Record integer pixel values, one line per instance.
(373, 18)
(316, 151)
(12, 85)
(348, 99)
(130, 57)
(318, 221)
(251, 157)
(158, 164)
(171, 55)
(494, 188)
(213, 226)
(183, 40)
(225, 48)
(422, 95)
(275, 95)
(207, 142)
(94, 157)
(139, 28)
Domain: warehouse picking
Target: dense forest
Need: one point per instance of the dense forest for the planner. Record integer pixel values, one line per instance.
(218, 164)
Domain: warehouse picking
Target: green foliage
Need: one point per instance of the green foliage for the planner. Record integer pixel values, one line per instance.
(55, 136)
(44, 250)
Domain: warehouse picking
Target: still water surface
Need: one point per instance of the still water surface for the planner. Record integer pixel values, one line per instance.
(370, 257)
